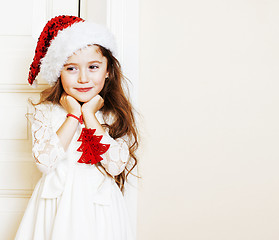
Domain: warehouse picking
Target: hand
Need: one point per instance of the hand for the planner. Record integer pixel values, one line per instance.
(92, 106)
(70, 104)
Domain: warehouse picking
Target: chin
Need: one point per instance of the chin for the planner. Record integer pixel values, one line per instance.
(84, 98)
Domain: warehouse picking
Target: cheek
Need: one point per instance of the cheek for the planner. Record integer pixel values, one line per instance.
(66, 83)
(99, 81)
(99, 86)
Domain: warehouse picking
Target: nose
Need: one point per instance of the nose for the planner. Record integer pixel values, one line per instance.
(83, 78)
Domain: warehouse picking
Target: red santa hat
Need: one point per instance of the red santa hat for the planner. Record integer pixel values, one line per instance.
(61, 38)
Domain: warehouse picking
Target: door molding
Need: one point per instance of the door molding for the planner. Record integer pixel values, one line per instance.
(123, 21)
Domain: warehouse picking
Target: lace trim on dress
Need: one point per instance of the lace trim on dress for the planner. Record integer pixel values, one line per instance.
(47, 150)
(116, 158)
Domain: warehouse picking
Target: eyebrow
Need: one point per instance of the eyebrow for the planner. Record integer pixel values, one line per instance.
(95, 61)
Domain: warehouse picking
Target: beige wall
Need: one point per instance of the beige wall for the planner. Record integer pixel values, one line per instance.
(209, 99)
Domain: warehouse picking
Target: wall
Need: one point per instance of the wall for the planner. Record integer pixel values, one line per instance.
(209, 100)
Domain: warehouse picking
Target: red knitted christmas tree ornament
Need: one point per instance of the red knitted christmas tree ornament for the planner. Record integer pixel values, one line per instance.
(91, 147)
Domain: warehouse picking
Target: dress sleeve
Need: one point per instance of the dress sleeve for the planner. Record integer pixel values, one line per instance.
(47, 150)
(117, 156)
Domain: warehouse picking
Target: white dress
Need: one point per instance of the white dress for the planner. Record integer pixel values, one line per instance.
(74, 201)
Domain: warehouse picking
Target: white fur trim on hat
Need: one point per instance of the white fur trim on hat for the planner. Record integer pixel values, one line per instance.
(70, 40)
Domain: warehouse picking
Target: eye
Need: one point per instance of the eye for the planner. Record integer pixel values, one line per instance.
(93, 67)
(71, 68)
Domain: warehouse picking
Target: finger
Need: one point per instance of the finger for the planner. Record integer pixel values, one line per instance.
(63, 95)
(100, 97)
(64, 99)
(101, 103)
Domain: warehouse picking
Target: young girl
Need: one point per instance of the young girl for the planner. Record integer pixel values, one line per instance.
(84, 137)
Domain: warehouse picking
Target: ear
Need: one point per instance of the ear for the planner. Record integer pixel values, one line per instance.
(107, 75)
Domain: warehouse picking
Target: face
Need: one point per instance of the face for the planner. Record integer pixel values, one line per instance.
(83, 76)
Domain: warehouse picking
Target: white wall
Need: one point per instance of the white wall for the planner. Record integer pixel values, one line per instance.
(209, 99)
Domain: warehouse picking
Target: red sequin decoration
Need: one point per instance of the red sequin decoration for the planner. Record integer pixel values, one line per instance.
(91, 147)
(49, 32)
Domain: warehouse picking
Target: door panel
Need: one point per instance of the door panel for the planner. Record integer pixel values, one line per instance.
(15, 16)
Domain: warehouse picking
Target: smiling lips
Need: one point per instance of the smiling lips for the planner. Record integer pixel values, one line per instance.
(83, 89)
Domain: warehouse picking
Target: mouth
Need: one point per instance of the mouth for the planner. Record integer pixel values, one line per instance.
(84, 89)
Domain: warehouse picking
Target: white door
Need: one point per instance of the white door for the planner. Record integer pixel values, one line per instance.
(21, 24)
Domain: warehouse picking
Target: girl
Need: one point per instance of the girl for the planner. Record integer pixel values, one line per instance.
(84, 136)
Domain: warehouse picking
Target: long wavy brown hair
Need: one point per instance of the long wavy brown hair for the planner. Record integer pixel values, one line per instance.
(116, 106)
